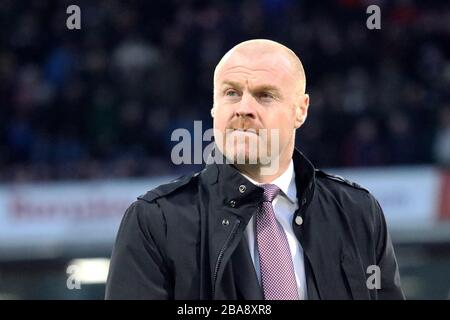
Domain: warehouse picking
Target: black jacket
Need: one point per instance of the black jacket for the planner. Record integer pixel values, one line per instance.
(184, 240)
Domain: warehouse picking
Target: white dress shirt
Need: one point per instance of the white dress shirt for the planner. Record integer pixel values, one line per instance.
(285, 204)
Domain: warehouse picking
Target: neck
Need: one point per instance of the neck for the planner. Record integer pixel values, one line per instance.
(257, 172)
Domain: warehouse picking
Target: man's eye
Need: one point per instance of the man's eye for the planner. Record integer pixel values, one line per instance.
(266, 95)
(231, 93)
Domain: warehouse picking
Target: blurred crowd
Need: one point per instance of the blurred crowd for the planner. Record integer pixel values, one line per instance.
(102, 102)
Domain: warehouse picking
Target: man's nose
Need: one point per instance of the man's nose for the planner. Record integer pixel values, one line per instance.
(246, 107)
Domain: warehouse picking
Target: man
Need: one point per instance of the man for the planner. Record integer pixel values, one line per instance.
(254, 229)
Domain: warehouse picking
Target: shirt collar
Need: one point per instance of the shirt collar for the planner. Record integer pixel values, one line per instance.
(286, 182)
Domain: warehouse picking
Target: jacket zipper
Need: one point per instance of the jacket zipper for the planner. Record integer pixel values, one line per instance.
(221, 253)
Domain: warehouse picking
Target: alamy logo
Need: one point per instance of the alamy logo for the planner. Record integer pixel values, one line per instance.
(374, 20)
(239, 146)
(374, 280)
(74, 20)
(73, 282)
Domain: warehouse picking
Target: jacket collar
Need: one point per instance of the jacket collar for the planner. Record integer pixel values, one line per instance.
(235, 190)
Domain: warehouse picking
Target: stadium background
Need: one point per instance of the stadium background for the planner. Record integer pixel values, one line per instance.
(86, 118)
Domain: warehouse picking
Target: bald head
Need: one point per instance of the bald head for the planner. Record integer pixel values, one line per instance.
(259, 47)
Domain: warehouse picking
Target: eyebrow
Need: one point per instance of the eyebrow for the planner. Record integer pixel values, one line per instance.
(262, 87)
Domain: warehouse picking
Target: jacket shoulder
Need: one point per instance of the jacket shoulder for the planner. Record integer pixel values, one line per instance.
(339, 179)
(168, 188)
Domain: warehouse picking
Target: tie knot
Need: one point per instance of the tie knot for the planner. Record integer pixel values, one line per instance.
(270, 192)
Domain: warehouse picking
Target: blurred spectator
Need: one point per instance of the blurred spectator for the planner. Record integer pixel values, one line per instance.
(363, 145)
(400, 139)
(442, 141)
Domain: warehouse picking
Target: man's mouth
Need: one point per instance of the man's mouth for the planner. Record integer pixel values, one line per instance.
(241, 130)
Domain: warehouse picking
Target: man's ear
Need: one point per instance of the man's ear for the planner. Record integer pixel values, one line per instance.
(212, 112)
(301, 110)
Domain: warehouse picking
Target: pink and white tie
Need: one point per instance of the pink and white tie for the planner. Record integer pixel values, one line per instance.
(275, 260)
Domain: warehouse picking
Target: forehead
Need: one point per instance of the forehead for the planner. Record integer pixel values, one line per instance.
(273, 68)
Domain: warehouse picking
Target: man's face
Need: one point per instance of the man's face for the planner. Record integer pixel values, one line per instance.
(255, 91)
